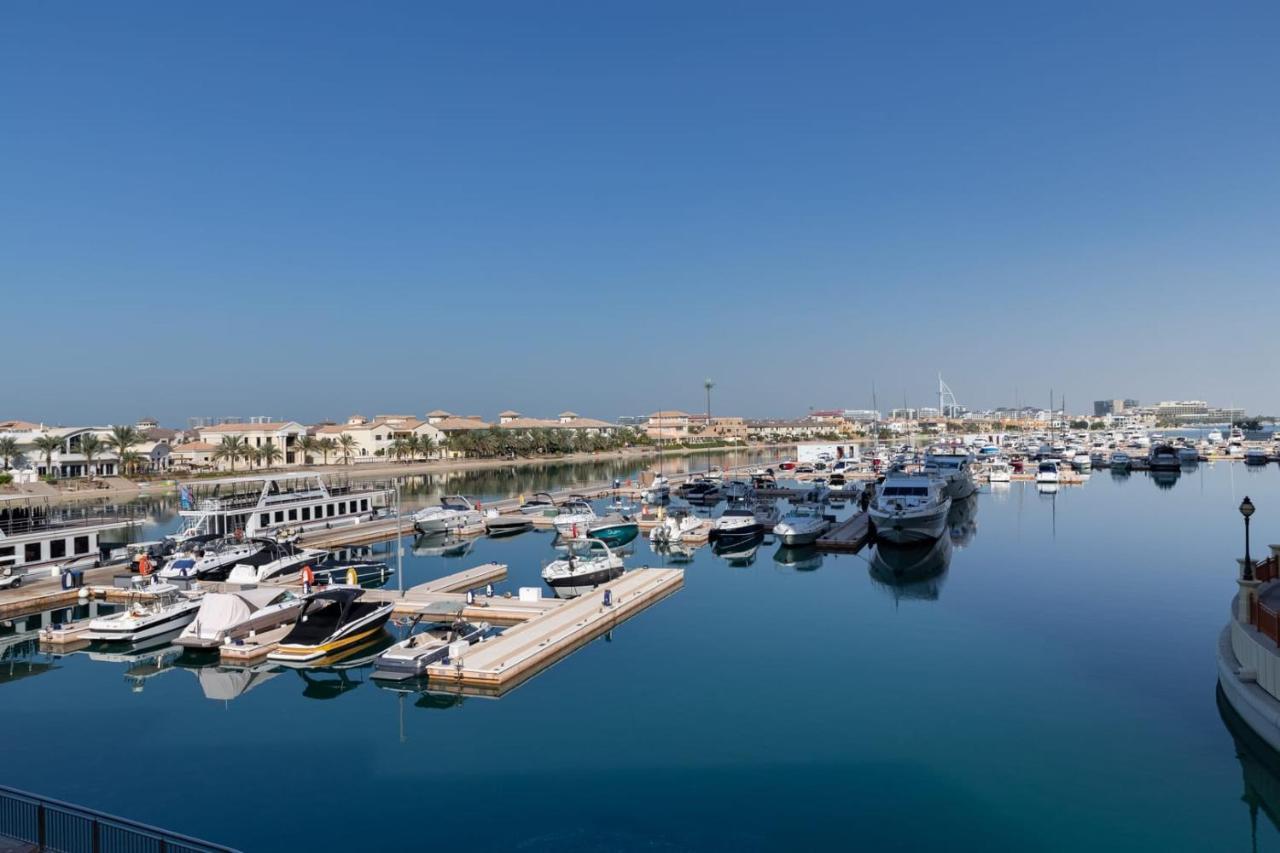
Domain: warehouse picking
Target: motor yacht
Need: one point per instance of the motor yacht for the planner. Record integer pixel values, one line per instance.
(613, 530)
(802, 525)
(275, 559)
(331, 620)
(1047, 471)
(227, 616)
(587, 563)
(576, 514)
(955, 470)
(455, 512)
(910, 508)
(498, 524)
(742, 520)
(157, 608)
(427, 643)
(1163, 458)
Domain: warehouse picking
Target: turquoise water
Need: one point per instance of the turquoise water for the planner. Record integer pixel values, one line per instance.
(1053, 688)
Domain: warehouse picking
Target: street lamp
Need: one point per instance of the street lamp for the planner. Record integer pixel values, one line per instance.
(1246, 510)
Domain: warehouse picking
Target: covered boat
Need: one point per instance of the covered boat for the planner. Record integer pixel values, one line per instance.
(227, 616)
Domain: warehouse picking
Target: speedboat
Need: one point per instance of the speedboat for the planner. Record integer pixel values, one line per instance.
(1047, 471)
(802, 525)
(227, 616)
(430, 643)
(613, 530)
(540, 504)
(1164, 458)
(910, 508)
(701, 491)
(575, 515)
(159, 608)
(274, 560)
(330, 620)
(1081, 462)
(659, 491)
(497, 524)
(455, 512)
(587, 563)
(998, 472)
(735, 491)
(737, 521)
(1256, 456)
(1189, 455)
(673, 526)
(211, 560)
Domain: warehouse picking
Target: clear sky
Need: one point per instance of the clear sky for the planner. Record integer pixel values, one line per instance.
(310, 209)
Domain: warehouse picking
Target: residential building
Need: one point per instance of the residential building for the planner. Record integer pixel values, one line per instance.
(373, 436)
(667, 425)
(283, 434)
(193, 456)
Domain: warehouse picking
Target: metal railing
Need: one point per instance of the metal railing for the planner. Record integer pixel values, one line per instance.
(1266, 619)
(58, 827)
(32, 517)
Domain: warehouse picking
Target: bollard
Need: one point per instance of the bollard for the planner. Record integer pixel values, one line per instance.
(471, 596)
(608, 598)
(488, 590)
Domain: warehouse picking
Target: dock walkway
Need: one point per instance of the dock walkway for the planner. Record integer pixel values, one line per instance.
(849, 536)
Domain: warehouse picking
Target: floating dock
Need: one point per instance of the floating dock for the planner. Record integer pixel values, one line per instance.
(849, 536)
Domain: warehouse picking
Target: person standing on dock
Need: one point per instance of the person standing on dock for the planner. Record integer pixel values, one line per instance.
(308, 578)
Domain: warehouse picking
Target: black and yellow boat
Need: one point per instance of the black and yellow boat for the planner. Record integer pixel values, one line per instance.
(331, 620)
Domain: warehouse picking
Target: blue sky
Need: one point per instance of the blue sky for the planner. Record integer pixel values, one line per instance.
(310, 209)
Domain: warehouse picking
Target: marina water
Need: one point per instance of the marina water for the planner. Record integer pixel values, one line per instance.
(1052, 689)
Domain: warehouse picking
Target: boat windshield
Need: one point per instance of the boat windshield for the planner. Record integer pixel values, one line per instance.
(906, 491)
(582, 548)
(1048, 466)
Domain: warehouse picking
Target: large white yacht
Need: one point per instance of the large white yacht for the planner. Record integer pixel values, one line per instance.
(954, 470)
(455, 512)
(910, 508)
(270, 504)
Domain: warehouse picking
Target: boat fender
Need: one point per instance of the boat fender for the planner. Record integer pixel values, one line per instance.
(471, 596)
(352, 577)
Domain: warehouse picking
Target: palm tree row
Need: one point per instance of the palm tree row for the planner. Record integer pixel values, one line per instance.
(493, 442)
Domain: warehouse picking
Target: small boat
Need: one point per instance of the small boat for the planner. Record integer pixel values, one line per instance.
(588, 562)
(159, 608)
(802, 525)
(1256, 456)
(540, 504)
(701, 492)
(331, 620)
(1120, 461)
(659, 491)
(426, 644)
(838, 483)
(1164, 458)
(998, 472)
(737, 521)
(574, 517)
(1188, 455)
(910, 508)
(1081, 462)
(227, 616)
(613, 530)
(735, 491)
(673, 527)
(497, 524)
(455, 512)
(955, 471)
(1047, 471)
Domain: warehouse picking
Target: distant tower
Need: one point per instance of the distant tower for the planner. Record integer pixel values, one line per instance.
(947, 405)
(708, 384)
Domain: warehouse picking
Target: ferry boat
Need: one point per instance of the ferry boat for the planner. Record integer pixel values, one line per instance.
(274, 504)
(910, 508)
(36, 535)
(331, 620)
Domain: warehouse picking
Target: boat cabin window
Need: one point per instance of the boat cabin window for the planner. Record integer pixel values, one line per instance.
(906, 491)
(364, 505)
(1048, 466)
(737, 512)
(279, 516)
(6, 551)
(31, 553)
(57, 548)
(306, 513)
(342, 507)
(264, 519)
(293, 515)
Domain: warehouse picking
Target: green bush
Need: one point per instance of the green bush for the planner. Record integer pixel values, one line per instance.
(5, 478)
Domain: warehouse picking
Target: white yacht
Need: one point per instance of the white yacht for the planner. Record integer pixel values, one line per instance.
(274, 560)
(1047, 471)
(744, 520)
(576, 515)
(673, 527)
(1082, 462)
(659, 491)
(210, 560)
(274, 504)
(157, 608)
(588, 562)
(455, 512)
(802, 525)
(999, 472)
(227, 616)
(1214, 437)
(910, 508)
(954, 470)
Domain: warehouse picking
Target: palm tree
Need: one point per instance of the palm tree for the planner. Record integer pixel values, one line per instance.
(326, 446)
(232, 448)
(309, 446)
(48, 445)
(427, 445)
(8, 449)
(269, 454)
(130, 460)
(90, 447)
(398, 448)
(411, 446)
(122, 440)
(347, 446)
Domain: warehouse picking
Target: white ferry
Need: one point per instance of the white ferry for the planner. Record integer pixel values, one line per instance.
(274, 504)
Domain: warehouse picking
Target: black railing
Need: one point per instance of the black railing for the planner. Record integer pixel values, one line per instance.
(58, 827)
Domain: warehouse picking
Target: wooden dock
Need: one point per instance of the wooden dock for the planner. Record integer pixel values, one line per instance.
(849, 536)
(519, 653)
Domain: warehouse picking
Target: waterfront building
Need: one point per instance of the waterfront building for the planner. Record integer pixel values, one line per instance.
(373, 436)
(192, 456)
(68, 460)
(721, 428)
(283, 434)
(788, 430)
(668, 425)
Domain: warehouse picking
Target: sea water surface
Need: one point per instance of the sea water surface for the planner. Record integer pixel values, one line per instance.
(1044, 679)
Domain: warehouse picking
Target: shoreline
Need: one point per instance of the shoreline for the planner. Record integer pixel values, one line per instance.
(120, 488)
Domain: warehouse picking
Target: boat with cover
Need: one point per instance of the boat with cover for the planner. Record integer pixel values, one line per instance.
(497, 524)
(227, 616)
(588, 562)
(455, 512)
(157, 608)
(910, 508)
(330, 620)
(428, 642)
(210, 560)
(802, 525)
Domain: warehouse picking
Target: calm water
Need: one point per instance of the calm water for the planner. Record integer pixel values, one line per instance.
(1052, 688)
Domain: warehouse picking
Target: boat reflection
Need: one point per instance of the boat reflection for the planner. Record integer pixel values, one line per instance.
(1259, 764)
(442, 544)
(962, 521)
(1165, 479)
(331, 676)
(915, 570)
(800, 558)
(224, 683)
(738, 552)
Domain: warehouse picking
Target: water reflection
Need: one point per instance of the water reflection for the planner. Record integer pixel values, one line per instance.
(962, 521)
(738, 552)
(914, 570)
(1165, 479)
(1259, 765)
(448, 545)
(800, 558)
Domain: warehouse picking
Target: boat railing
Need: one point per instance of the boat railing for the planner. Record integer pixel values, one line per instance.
(24, 520)
(57, 826)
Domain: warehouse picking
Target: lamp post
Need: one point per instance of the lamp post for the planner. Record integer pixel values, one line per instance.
(1246, 510)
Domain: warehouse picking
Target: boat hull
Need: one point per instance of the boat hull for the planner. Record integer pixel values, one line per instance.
(350, 635)
(907, 528)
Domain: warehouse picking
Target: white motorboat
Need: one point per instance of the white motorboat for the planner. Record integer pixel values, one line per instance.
(802, 525)
(659, 491)
(157, 608)
(454, 513)
(739, 520)
(540, 504)
(498, 524)
(210, 560)
(910, 508)
(999, 472)
(576, 515)
(426, 644)
(954, 470)
(274, 560)
(673, 526)
(588, 562)
(1081, 462)
(1047, 471)
(227, 616)
(1214, 437)
(331, 620)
